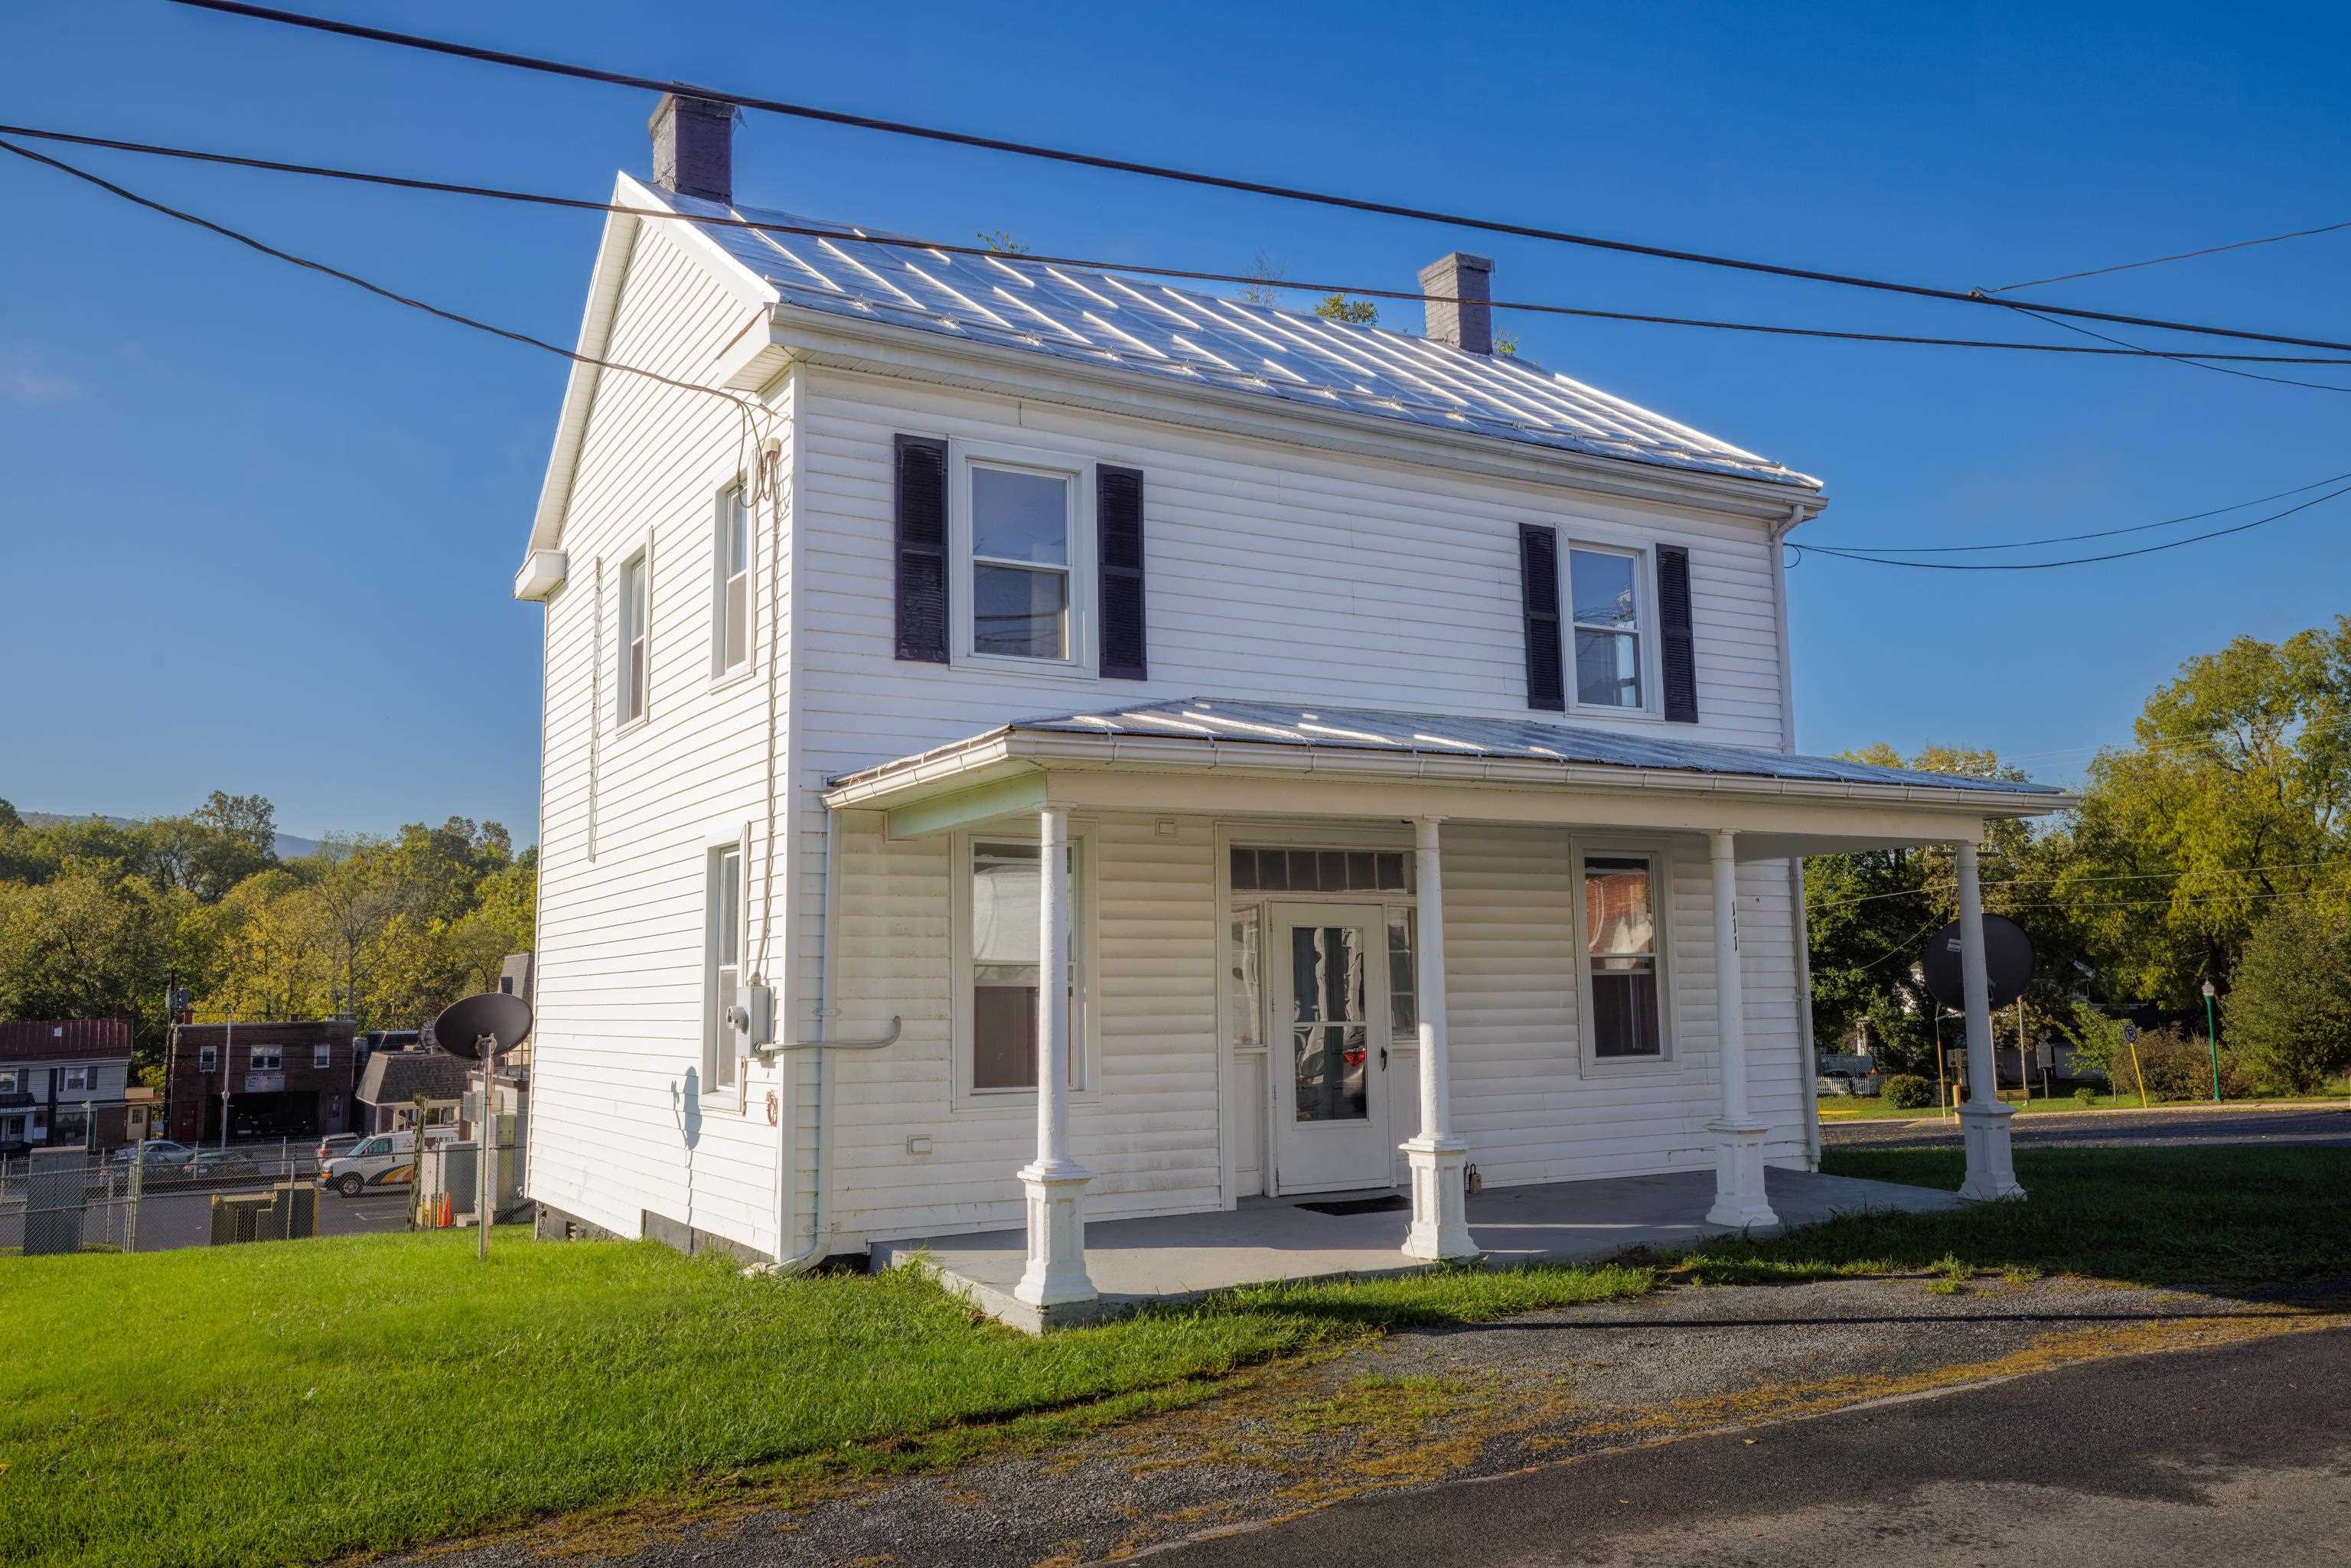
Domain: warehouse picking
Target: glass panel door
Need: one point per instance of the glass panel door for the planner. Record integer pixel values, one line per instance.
(1327, 966)
(1330, 1035)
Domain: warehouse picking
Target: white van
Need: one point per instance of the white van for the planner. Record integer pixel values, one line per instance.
(380, 1160)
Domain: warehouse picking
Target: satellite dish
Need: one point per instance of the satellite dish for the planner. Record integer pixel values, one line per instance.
(2008, 962)
(494, 1016)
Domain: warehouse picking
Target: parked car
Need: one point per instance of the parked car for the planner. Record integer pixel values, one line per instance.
(384, 1160)
(334, 1145)
(155, 1152)
(222, 1164)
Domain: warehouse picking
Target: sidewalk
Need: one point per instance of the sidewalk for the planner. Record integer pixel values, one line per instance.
(1421, 1408)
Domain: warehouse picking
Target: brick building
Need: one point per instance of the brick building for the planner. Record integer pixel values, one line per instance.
(280, 1079)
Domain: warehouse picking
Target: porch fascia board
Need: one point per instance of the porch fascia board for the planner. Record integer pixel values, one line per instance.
(1011, 770)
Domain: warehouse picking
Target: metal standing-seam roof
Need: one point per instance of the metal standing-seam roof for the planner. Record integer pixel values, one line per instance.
(1175, 335)
(1223, 720)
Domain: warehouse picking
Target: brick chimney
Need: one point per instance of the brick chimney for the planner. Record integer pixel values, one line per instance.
(1468, 279)
(693, 147)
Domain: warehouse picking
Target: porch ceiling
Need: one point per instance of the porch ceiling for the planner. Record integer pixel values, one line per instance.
(1243, 760)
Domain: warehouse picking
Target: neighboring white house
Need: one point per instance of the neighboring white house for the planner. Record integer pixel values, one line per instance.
(1383, 736)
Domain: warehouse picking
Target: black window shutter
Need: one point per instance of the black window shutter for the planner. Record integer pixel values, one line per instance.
(1538, 593)
(921, 544)
(1118, 527)
(1678, 650)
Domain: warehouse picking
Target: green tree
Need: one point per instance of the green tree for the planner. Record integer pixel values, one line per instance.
(1340, 307)
(2235, 798)
(2290, 1003)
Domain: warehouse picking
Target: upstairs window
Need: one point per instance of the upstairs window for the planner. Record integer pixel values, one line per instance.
(265, 1058)
(77, 1081)
(1604, 595)
(631, 648)
(1022, 561)
(730, 633)
(323, 1055)
(207, 1057)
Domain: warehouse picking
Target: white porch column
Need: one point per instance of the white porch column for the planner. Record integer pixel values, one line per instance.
(1440, 1221)
(1056, 1275)
(1983, 1120)
(1738, 1197)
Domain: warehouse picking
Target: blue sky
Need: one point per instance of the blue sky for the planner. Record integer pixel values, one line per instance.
(260, 529)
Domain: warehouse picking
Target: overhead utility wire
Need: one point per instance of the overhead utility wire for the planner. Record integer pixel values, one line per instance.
(2191, 363)
(2069, 539)
(1195, 177)
(2076, 560)
(2178, 256)
(358, 282)
(578, 204)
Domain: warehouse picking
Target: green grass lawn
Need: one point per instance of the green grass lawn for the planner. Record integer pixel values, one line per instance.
(287, 1402)
(2220, 1218)
(1870, 1108)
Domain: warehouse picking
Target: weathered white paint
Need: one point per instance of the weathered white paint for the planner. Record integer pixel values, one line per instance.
(1738, 1197)
(1983, 1120)
(1434, 1158)
(1280, 569)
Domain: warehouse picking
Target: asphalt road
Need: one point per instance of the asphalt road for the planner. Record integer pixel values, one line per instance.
(2236, 1455)
(2114, 1129)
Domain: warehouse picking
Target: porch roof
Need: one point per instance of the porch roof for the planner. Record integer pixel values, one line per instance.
(1285, 758)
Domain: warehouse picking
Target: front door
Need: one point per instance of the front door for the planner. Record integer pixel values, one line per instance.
(1330, 1045)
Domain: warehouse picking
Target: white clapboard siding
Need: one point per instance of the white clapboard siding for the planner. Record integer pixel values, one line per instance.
(1148, 1131)
(614, 1131)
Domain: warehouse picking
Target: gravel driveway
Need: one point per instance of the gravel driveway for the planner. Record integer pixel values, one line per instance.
(1420, 1408)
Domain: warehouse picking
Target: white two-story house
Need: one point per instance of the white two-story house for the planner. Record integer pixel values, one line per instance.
(1025, 744)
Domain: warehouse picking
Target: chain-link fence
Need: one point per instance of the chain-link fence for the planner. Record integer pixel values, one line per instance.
(154, 1200)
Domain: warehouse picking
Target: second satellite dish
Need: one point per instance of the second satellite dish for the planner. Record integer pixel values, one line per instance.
(493, 1017)
(2008, 962)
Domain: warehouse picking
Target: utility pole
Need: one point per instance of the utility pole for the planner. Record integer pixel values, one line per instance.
(2212, 1040)
(2024, 1062)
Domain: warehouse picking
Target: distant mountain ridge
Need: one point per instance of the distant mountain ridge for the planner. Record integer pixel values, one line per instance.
(290, 846)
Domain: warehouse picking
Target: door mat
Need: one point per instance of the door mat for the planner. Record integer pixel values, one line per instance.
(1387, 1205)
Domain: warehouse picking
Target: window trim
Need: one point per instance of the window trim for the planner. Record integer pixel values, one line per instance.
(277, 1063)
(11, 1080)
(66, 1076)
(323, 1055)
(1084, 605)
(716, 845)
(734, 493)
(1085, 1027)
(1659, 854)
(1647, 632)
(208, 1058)
(638, 564)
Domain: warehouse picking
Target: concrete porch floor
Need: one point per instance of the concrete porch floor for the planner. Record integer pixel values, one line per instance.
(1171, 1257)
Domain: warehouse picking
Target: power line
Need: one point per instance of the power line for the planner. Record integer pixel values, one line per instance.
(1195, 177)
(2183, 359)
(2100, 534)
(2177, 256)
(2077, 560)
(578, 204)
(358, 282)
(2063, 876)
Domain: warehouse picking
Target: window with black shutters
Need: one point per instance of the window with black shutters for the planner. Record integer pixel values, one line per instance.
(1118, 525)
(1539, 594)
(922, 548)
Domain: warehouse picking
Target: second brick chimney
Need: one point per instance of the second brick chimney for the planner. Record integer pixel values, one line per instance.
(693, 147)
(1468, 279)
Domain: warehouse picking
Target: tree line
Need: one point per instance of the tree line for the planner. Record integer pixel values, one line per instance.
(2216, 848)
(102, 919)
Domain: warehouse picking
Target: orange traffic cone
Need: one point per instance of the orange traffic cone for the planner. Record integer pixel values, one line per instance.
(441, 1216)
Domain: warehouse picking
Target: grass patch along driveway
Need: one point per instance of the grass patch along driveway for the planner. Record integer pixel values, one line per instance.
(289, 1402)
(2223, 1218)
